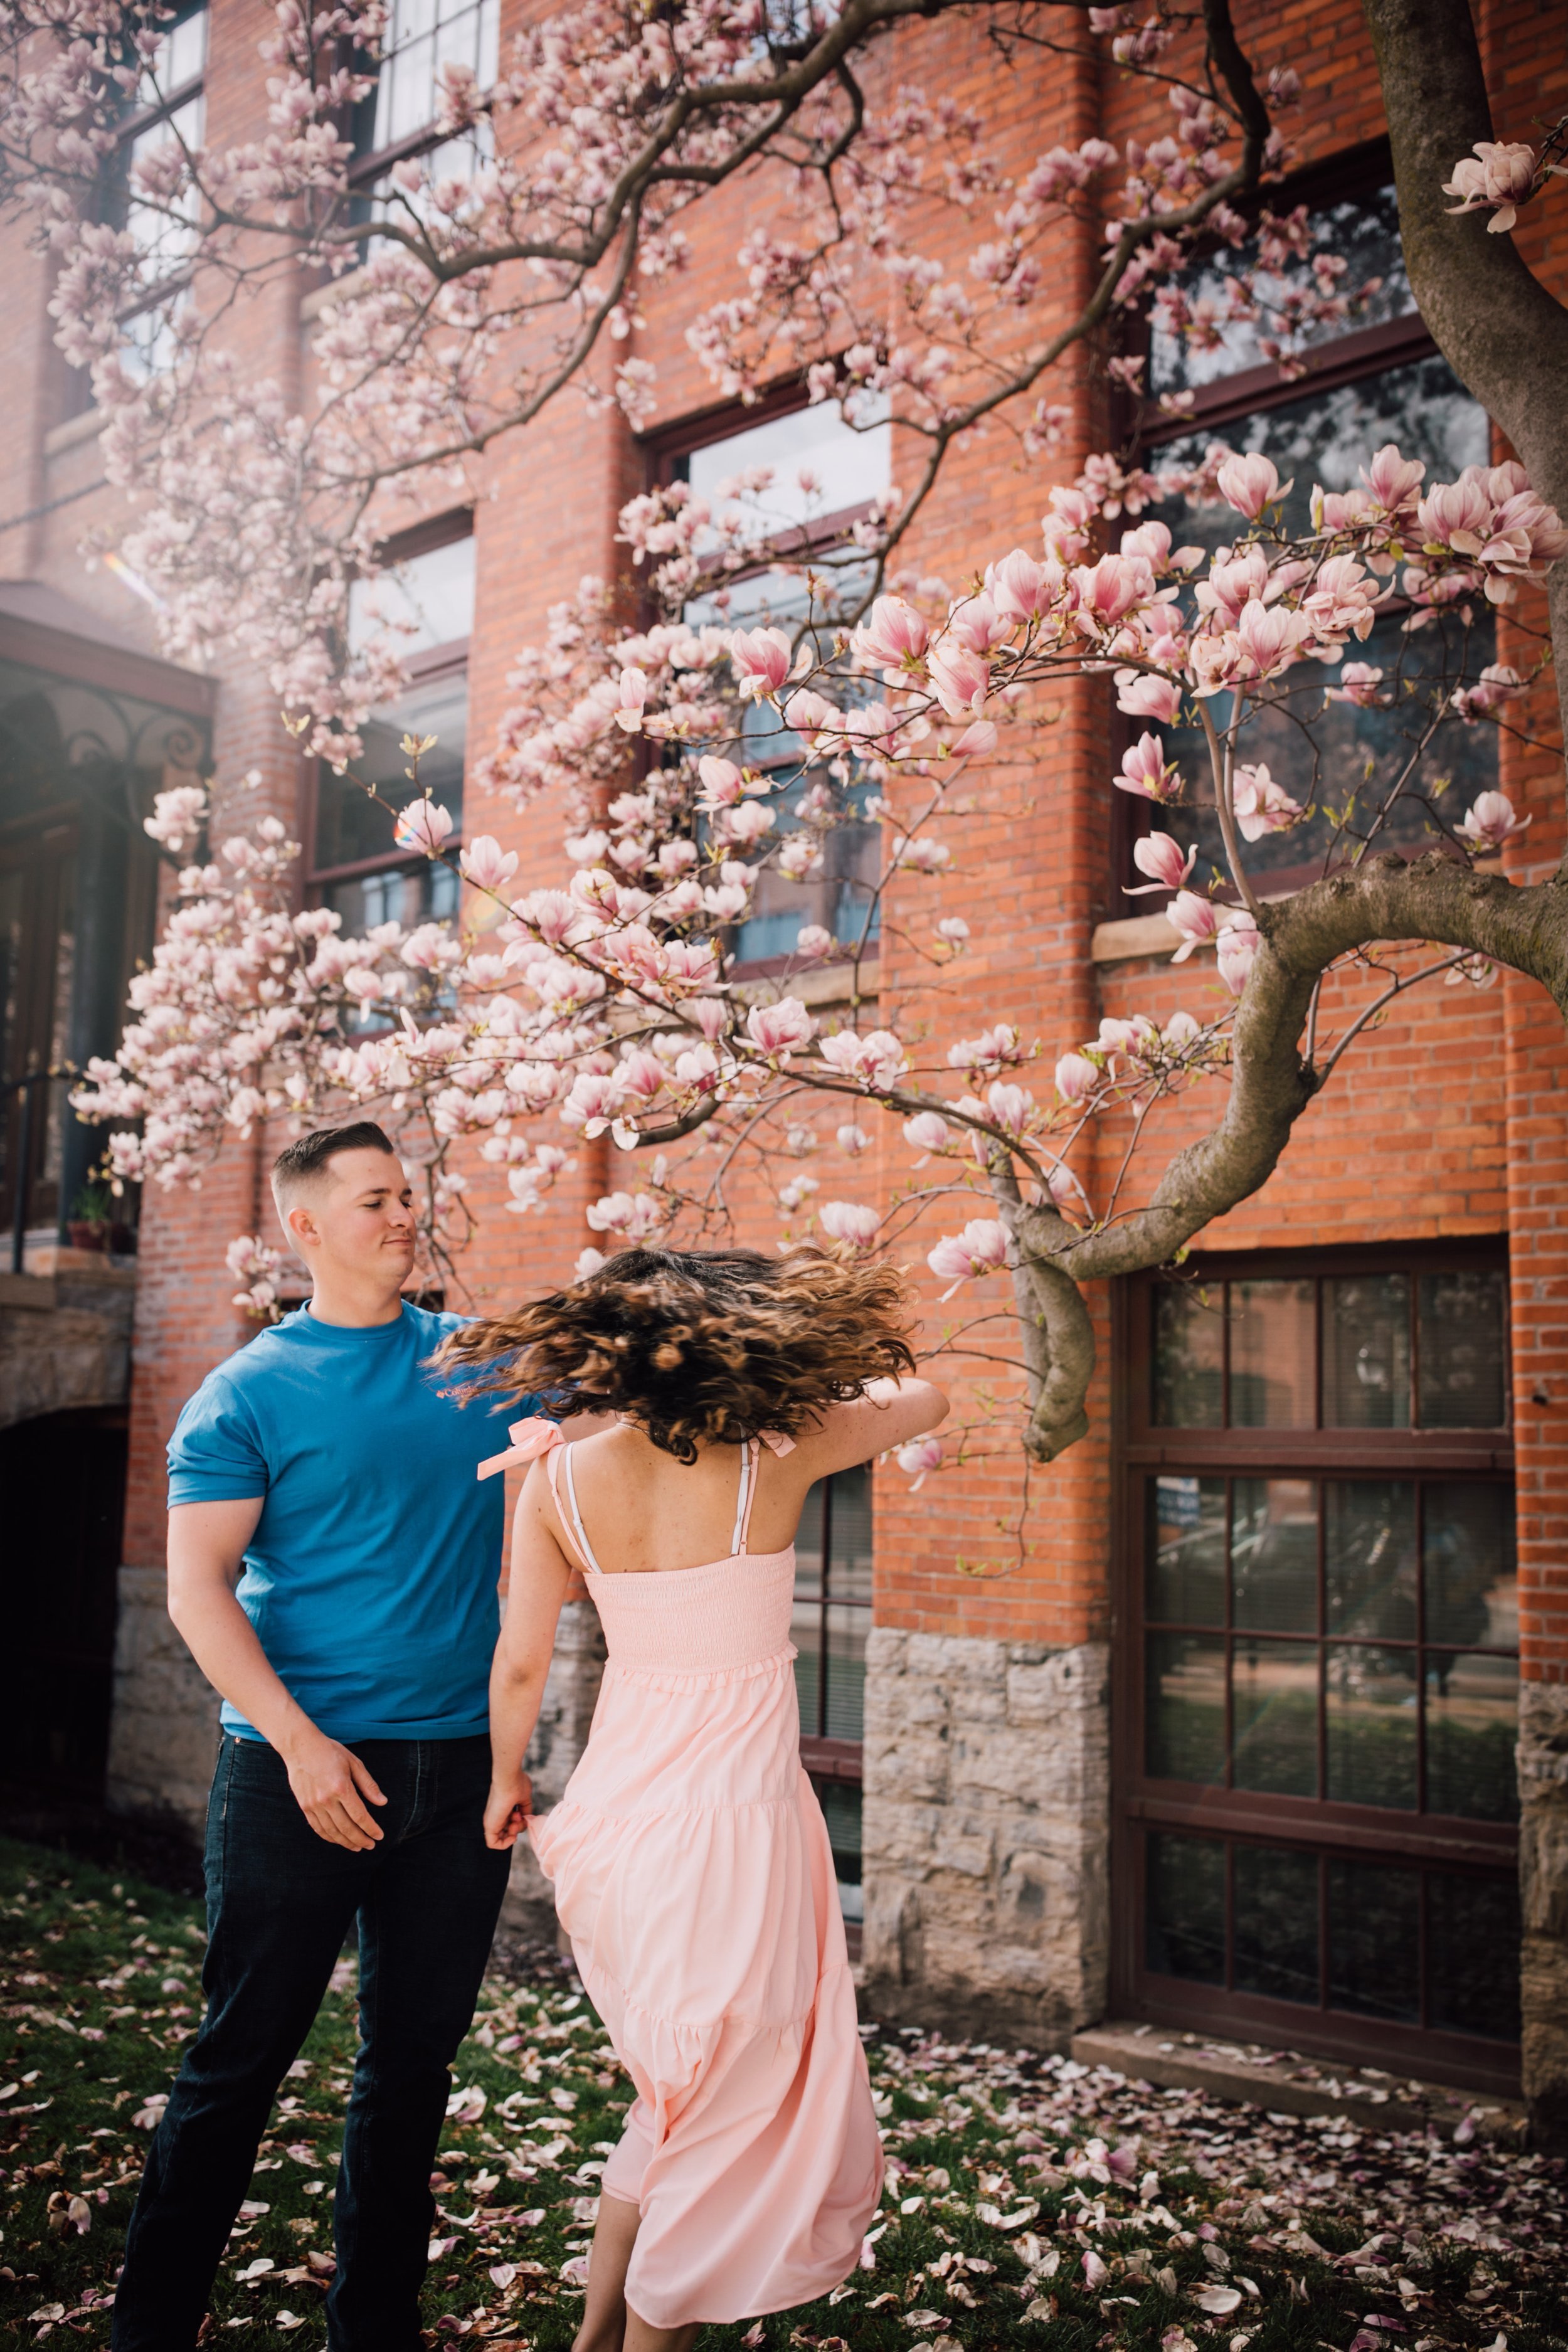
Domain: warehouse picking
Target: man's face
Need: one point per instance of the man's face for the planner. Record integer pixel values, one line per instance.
(358, 1218)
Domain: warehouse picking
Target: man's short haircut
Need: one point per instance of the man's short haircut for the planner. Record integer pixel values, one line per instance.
(301, 1163)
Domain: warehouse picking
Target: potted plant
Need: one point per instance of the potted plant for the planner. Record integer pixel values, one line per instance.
(92, 1219)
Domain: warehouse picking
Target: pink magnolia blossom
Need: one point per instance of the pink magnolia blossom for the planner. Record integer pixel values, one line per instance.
(423, 825)
(893, 634)
(979, 1249)
(633, 693)
(1076, 1076)
(633, 1216)
(1196, 921)
(744, 825)
(918, 1459)
(1104, 594)
(1489, 821)
(977, 741)
(1249, 484)
(1144, 696)
(1160, 857)
(954, 933)
(722, 781)
(761, 660)
(780, 1028)
(928, 1131)
(850, 1223)
(1499, 683)
(1500, 173)
(1146, 771)
(1360, 683)
(589, 1262)
(813, 939)
(1393, 480)
(1261, 805)
(960, 678)
(1236, 949)
(486, 865)
(1022, 589)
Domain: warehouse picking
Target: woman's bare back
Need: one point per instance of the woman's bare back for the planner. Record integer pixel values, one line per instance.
(644, 1511)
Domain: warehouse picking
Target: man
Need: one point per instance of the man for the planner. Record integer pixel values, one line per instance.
(322, 1470)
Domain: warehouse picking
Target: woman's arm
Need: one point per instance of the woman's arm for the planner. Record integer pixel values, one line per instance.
(541, 1576)
(889, 1413)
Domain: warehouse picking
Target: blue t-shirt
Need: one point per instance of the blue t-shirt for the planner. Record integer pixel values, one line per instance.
(370, 1579)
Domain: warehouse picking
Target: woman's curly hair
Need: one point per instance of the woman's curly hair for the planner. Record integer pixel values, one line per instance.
(699, 1347)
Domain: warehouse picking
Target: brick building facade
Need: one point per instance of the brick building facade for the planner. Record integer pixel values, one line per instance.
(1188, 1749)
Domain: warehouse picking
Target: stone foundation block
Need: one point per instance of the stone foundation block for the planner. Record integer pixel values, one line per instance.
(986, 1835)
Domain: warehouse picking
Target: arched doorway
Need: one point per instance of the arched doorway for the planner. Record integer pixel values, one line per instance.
(62, 1500)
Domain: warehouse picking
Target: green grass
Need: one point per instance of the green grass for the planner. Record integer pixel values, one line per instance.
(1000, 2159)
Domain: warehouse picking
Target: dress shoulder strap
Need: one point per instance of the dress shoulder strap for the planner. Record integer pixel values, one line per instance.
(572, 1517)
(749, 1454)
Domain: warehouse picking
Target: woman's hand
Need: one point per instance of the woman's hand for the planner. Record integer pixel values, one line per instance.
(507, 1810)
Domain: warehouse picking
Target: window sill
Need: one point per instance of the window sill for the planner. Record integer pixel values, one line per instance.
(336, 290)
(831, 983)
(74, 431)
(1133, 938)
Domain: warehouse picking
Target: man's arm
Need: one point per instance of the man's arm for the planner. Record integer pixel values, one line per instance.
(206, 1547)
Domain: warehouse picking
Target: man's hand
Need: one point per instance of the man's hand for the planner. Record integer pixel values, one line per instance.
(507, 1810)
(331, 1784)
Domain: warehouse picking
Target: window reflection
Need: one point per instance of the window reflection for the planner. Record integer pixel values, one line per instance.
(1189, 1356)
(1274, 1555)
(1462, 1349)
(1274, 1698)
(1366, 1353)
(1369, 1557)
(1185, 1908)
(1324, 439)
(1370, 1698)
(1276, 1926)
(832, 1612)
(1472, 1955)
(1374, 1940)
(1363, 229)
(819, 461)
(1273, 1345)
(1185, 1577)
(350, 827)
(1183, 1698)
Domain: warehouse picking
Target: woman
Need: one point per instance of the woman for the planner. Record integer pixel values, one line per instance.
(690, 1860)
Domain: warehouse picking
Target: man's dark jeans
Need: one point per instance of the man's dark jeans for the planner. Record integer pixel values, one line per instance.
(279, 1903)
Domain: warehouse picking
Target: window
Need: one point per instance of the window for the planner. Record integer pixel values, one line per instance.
(1373, 377)
(167, 105)
(356, 864)
(397, 119)
(1318, 1800)
(421, 37)
(801, 477)
(831, 1619)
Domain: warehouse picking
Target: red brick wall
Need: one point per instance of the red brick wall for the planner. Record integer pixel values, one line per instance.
(1446, 1121)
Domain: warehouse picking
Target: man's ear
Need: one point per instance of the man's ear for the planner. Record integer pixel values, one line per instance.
(300, 1227)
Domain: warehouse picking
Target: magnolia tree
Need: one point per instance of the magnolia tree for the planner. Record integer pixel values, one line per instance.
(729, 737)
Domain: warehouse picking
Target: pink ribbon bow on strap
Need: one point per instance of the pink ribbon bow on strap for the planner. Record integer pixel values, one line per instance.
(530, 1439)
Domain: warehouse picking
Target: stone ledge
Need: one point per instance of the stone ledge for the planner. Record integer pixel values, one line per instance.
(1284, 2083)
(35, 1291)
(76, 429)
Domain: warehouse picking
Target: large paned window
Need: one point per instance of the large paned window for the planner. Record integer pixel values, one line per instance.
(821, 474)
(1319, 1709)
(1373, 377)
(831, 1618)
(399, 117)
(168, 105)
(357, 865)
